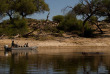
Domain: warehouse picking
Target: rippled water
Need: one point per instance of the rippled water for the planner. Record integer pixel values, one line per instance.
(58, 63)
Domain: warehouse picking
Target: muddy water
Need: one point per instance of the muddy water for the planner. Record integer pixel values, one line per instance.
(54, 60)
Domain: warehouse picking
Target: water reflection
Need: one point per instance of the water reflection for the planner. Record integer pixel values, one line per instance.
(66, 63)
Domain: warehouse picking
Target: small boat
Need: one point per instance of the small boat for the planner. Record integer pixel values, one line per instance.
(24, 48)
(19, 48)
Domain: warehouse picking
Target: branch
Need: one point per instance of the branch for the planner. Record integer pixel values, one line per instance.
(48, 16)
(63, 10)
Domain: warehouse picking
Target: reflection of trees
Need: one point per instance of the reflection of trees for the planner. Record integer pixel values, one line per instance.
(106, 61)
(68, 65)
(61, 64)
(18, 65)
(56, 63)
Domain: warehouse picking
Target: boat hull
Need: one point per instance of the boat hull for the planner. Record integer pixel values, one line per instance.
(21, 48)
(24, 48)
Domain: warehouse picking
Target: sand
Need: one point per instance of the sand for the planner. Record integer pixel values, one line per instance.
(63, 45)
(60, 42)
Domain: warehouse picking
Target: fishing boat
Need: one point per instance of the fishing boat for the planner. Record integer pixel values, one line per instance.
(19, 48)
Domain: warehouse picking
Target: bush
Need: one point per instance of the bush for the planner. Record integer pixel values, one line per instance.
(88, 31)
(1, 31)
(58, 18)
(16, 26)
(72, 24)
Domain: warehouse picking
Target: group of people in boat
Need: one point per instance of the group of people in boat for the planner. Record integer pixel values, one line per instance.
(16, 45)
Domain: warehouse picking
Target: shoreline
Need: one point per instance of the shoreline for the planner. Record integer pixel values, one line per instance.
(70, 42)
(66, 46)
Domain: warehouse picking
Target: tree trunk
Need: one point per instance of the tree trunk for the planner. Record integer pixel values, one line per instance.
(99, 28)
(47, 16)
(10, 16)
(84, 22)
(26, 35)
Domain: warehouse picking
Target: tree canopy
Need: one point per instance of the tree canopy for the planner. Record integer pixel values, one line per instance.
(88, 8)
(23, 7)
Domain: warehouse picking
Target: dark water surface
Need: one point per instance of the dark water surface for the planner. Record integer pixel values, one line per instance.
(58, 63)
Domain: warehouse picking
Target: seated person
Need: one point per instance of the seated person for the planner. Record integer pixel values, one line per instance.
(13, 44)
(26, 45)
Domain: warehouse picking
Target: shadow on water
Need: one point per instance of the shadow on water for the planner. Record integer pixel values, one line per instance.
(55, 63)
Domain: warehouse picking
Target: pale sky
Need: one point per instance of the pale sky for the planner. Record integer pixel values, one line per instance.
(55, 8)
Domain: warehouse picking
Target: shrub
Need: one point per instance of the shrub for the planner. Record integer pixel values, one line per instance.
(72, 24)
(58, 18)
(16, 26)
(1, 31)
(88, 31)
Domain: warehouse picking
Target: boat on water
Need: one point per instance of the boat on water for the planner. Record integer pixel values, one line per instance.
(19, 48)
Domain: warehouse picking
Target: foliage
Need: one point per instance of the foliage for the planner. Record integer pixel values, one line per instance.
(105, 10)
(88, 31)
(88, 9)
(16, 26)
(3, 7)
(72, 24)
(23, 7)
(93, 19)
(58, 18)
(41, 6)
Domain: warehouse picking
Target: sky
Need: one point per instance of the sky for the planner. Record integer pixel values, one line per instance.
(55, 8)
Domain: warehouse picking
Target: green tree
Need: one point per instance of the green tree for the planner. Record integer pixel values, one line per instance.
(94, 21)
(58, 18)
(27, 7)
(23, 7)
(7, 8)
(87, 9)
(105, 10)
(73, 25)
(41, 6)
(70, 23)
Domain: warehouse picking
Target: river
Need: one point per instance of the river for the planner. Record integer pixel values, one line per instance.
(55, 63)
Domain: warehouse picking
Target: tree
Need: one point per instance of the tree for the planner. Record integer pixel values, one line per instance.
(105, 10)
(94, 20)
(11, 8)
(7, 8)
(23, 7)
(3, 7)
(41, 6)
(87, 9)
(27, 7)
(58, 18)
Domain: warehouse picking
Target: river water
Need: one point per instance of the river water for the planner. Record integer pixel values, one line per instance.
(55, 63)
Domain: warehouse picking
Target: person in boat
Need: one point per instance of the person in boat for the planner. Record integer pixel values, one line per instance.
(13, 44)
(26, 45)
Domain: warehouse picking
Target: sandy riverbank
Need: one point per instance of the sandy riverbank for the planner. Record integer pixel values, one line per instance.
(76, 44)
(77, 41)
